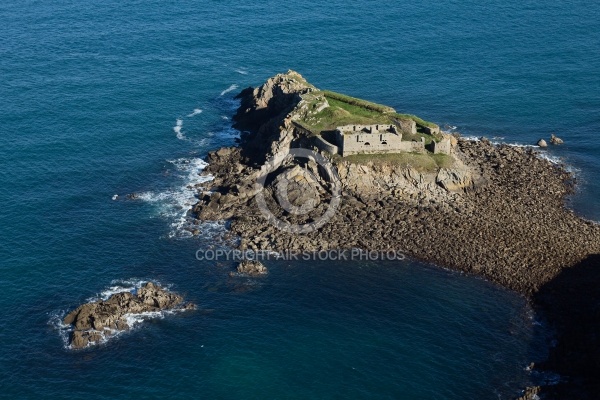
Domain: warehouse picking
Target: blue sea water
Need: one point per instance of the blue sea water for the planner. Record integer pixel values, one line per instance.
(103, 98)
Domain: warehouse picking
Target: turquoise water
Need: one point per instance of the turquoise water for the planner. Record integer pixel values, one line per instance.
(91, 95)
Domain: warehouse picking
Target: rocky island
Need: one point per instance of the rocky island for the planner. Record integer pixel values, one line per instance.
(395, 181)
(93, 322)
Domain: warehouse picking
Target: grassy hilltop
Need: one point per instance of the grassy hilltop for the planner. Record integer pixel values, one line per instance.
(347, 110)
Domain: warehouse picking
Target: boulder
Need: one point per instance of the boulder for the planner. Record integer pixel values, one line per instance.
(555, 139)
(542, 143)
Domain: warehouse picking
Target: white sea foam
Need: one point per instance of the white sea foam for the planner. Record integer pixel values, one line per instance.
(119, 287)
(471, 138)
(241, 71)
(225, 117)
(177, 129)
(175, 204)
(115, 197)
(56, 322)
(229, 89)
(551, 159)
(524, 146)
(135, 319)
(195, 112)
(122, 285)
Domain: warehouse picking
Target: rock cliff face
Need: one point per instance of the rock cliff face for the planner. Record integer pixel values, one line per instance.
(266, 114)
(92, 322)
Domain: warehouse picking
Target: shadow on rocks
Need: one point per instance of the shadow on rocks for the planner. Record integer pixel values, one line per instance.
(571, 304)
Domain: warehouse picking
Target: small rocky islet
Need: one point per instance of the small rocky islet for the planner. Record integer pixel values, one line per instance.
(493, 210)
(95, 321)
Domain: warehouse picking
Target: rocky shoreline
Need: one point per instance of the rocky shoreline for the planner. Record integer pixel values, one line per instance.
(498, 212)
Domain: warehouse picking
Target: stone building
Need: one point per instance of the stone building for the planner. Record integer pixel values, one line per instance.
(374, 139)
(442, 147)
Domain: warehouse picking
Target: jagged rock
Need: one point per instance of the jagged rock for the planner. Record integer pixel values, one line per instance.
(251, 268)
(555, 139)
(92, 320)
(265, 110)
(542, 143)
(81, 339)
(455, 179)
(531, 393)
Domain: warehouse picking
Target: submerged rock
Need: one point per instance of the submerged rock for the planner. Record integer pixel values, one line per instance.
(93, 321)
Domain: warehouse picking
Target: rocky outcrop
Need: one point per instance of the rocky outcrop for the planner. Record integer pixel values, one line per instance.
(92, 322)
(542, 143)
(455, 179)
(266, 114)
(531, 393)
(251, 268)
(555, 139)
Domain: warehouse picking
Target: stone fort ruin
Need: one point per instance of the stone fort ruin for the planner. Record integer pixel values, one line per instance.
(381, 139)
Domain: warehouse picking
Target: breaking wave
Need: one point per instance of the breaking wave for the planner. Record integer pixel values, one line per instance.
(176, 204)
(195, 112)
(177, 129)
(229, 89)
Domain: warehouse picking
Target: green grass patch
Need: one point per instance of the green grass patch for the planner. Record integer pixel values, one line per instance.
(347, 110)
(341, 113)
(380, 108)
(443, 160)
(418, 120)
(417, 137)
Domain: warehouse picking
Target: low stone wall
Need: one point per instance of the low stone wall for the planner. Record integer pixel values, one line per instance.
(414, 147)
(374, 128)
(401, 147)
(324, 145)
